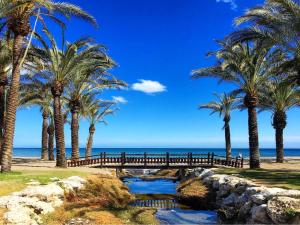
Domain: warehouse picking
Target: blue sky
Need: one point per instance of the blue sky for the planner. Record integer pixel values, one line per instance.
(156, 44)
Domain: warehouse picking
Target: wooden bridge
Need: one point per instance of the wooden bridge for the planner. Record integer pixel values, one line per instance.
(155, 161)
(157, 203)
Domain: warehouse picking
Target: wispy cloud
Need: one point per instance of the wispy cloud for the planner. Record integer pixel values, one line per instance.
(149, 86)
(119, 99)
(232, 3)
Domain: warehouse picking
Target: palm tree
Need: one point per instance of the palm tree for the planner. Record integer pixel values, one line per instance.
(74, 59)
(95, 111)
(248, 66)
(16, 15)
(278, 97)
(276, 21)
(88, 81)
(36, 92)
(224, 105)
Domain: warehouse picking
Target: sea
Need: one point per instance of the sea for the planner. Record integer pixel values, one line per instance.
(265, 152)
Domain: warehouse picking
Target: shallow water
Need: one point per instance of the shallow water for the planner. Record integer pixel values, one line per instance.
(159, 193)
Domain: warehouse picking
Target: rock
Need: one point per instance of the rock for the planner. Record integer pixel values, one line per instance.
(289, 193)
(33, 183)
(269, 192)
(43, 192)
(19, 216)
(280, 209)
(259, 214)
(242, 199)
(72, 183)
(227, 214)
(230, 200)
(259, 199)
(53, 179)
(244, 211)
(255, 190)
(205, 173)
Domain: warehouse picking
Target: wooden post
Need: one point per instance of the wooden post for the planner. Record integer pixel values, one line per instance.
(145, 159)
(167, 159)
(212, 159)
(208, 158)
(101, 159)
(242, 162)
(104, 158)
(123, 159)
(191, 159)
(236, 162)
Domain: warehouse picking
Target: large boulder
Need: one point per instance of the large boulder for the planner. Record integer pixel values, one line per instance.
(244, 211)
(19, 216)
(72, 183)
(43, 192)
(281, 209)
(230, 200)
(259, 215)
(259, 199)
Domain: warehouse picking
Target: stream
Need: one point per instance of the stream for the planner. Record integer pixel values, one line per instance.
(160, 194)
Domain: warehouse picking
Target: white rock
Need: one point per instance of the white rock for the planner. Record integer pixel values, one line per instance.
(255, 190)
(289, 193)
(43, 192)
(206, 173)
(259, 198)
(77, 179)
(19, 216)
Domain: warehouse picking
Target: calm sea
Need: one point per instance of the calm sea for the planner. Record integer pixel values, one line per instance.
(35, 152)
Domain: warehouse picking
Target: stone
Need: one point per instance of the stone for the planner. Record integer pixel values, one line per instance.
(72, 183)
(227, 214)
(33, 183)
(259, 214)
(254, 190)
(289, 193)
(259, 199)
(230, 200)
(19, 216)
(244, 211)
(205, 173)
(53, 179)
(242, 199)
(278, 208)
(43, 192)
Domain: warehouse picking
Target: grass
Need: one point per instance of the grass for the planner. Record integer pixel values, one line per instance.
(16, 181)
(2, 211)
(268, 177)
(104, 200)
(192, 188)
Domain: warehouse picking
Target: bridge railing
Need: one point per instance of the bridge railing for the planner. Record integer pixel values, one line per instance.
(155, 159)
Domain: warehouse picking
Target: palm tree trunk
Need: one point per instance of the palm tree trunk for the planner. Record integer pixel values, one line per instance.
(279, 123)
(50, 131)
(253, 138)
(44, 155)
(279, 145)
(89, 145)
(74, 134)
(3, 83)
(12, 105)
(59, 126)
(227, 139)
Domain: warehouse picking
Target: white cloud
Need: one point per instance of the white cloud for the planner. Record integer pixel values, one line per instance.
(149, 86)
(232, 3)
(119, 99)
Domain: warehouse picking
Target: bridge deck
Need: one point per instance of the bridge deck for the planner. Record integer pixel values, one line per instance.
(155, 161)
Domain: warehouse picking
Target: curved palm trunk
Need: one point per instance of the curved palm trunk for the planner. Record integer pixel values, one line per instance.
(253, 138)
(74, 134)
(227, 139)
(50, 132)
(59, 127)
(12, 105)
(279, 123)
(89, 145)
(44, 155)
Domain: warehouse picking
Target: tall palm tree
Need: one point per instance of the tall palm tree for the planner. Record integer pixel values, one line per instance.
(90, 80)
(224, 105)
(36, 92)
(276, 21)
(17, 15)
(60, 68)
(95, 111)
(278, 97)
(248, 66)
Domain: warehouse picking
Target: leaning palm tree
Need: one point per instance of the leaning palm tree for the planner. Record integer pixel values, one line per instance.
(59, 69)
(248, 66)
(224, 105)
(278, 97)
(16, 15)
(95, 111)
(36, 92)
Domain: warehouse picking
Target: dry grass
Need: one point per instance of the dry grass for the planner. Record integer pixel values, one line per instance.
(167, 173)
(2, 211)
(104, 200)
(192, 188)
